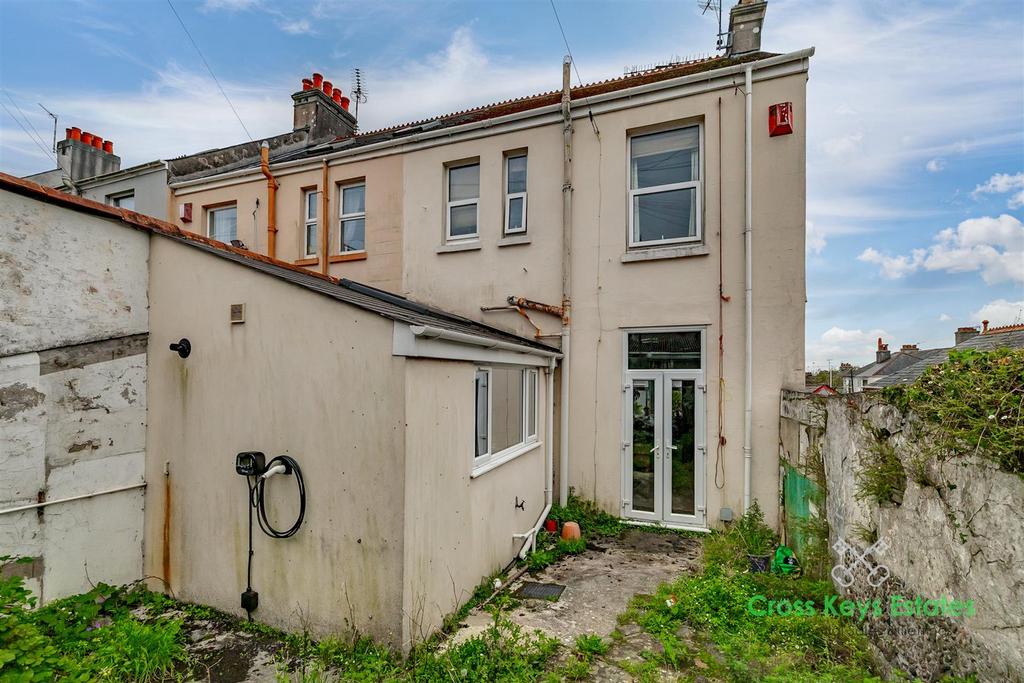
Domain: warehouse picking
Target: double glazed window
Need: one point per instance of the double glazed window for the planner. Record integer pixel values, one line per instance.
(222, 224)
(515, 194)
(506, 412)
(123, 201)
(353, 218)
(463, 201)
(309, 202)
(665, 187)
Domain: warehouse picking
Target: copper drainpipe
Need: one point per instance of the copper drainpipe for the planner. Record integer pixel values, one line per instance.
(325, 201)
(271, 201)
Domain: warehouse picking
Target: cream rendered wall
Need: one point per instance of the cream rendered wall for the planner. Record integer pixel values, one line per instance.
(458, 530)
(305, 376)
(609, 295)
(383, 177)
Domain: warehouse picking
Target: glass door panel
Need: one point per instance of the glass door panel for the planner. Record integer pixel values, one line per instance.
(645, 433)
(682, 444)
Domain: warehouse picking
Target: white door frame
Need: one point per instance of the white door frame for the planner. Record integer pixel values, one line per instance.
(662, 513)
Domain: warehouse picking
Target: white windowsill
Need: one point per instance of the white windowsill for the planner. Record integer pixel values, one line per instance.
(504, 458)
(658, 253)
(467, 245)
(667, 525)
(514, 238)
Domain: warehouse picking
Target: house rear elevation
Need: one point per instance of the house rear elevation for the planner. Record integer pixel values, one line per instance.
(650, 226)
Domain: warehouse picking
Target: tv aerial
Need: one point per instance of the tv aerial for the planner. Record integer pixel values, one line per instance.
(716, 7)
(359, 91)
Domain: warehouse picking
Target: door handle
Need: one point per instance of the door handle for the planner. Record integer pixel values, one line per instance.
(671, 447)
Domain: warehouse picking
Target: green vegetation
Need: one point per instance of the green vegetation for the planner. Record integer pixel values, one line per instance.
(973, 404)
(704, 621)
(882, 478)
(88, 637)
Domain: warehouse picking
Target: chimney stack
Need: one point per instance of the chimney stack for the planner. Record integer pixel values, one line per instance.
(965, 333)
(84, 155)
(984, 327)
(322, 110)
(745, 21)
(882, 353)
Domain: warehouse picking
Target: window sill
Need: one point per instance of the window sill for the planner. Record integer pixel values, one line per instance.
(510, 240)
(348, 256)
(468, 245)
(658, 253)
(504, 458)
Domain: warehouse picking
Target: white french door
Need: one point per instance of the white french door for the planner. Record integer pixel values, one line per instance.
(664, 446)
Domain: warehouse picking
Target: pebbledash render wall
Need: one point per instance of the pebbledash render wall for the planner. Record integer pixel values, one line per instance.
(72, 396)
(614, 288)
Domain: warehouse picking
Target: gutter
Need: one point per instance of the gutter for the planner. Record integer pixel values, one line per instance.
(748, 304)
(550, 114)
(271, 200)
(431, 332)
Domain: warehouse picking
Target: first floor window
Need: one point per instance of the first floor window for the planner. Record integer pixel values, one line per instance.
(124, 201)
(515, 194)
(222, 224)
(463, 198)
(353, 218)
(665, 187)
(506, 411)
(309, 212)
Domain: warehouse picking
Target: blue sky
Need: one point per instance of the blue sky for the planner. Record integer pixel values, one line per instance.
(915, 125)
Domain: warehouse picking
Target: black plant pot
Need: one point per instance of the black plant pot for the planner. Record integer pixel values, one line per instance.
(759, 564)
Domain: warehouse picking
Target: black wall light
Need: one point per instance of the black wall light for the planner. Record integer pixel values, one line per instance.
(183, 347)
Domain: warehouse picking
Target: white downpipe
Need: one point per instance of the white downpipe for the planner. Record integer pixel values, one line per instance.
(748, 306)
(55, 501)
(549, 463)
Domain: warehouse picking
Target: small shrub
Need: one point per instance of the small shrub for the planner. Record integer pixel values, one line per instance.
(591, 646)
(757, 537)
(881, 478)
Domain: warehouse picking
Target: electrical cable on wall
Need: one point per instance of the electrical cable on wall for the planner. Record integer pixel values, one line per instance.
(256, 472)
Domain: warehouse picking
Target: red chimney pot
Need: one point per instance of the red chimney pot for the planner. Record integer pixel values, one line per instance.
(318, 81)
(76, 133)
(307, 84)
(984, 326)
(336, 96)
(108, 146)
(328, 88)
(87, 138)
(67, 133)
(97, 142)
(344, 102)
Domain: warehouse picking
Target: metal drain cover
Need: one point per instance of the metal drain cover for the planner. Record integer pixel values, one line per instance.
(539, 591)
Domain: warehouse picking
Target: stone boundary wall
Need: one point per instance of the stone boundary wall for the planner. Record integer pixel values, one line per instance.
(955, 531)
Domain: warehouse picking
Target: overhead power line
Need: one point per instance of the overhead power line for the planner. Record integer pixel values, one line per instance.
(30, 137)
(207, 64)
(572, 60)
(34, 135)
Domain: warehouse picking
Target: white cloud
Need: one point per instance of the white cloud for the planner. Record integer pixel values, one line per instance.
(296, 27)
(842, 145)
(992, 246)
(935, 165)
(1000, 312)
(1002, 183)
(841, 345)
(815, 239)
(893, 267)
(945, 318)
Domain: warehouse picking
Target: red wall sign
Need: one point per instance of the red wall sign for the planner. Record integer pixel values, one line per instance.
(780, 119)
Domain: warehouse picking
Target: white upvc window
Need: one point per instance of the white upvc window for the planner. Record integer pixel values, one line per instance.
(310, 199)
(665, 188)
(125, 200)
(352, 225)
(515, 194)
(222, 223)
(506, 414)
(463, 212)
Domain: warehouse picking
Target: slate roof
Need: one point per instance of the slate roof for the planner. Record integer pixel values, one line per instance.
(1010, 339)
(383, 303)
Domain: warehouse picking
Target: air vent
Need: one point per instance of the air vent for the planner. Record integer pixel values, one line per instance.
(237, 313)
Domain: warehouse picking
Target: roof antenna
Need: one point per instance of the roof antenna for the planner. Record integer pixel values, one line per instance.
(54, 117)
(716, 7)
(359, 91)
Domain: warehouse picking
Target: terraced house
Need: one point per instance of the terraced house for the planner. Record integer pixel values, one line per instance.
(651, 225)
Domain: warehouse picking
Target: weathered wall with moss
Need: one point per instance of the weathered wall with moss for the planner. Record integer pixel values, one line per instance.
(954, 528)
